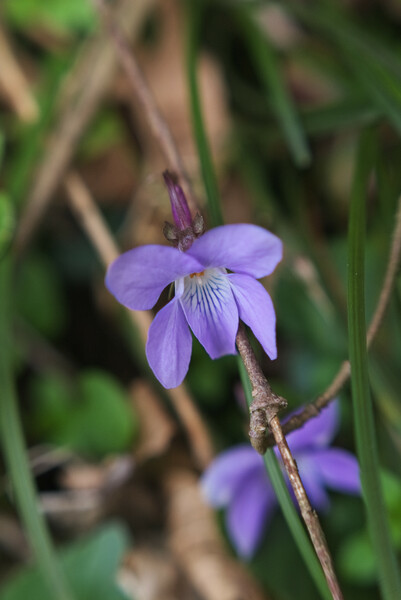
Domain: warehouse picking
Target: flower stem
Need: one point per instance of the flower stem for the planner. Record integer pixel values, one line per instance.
(286, 504)
(388, 576)
(143, 94)
(209, 177)
(313, 409)
(16, 457)
(263, 415)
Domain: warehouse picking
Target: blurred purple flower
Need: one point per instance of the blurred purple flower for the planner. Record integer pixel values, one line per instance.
(208, 297)
(237, 479)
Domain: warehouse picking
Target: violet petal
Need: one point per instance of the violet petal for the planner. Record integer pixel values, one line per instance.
(313, 484)
(318, 432)
(211, 311)
(338, 469)
(169, 345)
(249, 511)
(226, 472)
(137, 277)
(256, 309)
(242, 248)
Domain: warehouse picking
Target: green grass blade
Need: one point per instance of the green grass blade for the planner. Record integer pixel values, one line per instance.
(266, 63)
(194, 13)
(289, 511)
(389, 577)
(16, 458)
(377, 69)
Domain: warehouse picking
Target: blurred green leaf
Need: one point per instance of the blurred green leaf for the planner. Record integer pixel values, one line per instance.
(90, 566)
(356, 556)
(28, 138)
(104, 421)
(7, 222)
(106, 131)
(270, 72)
(39, 296)
(93, 416)
(375, 66)
(2, 139)
(51, 396)
(356, 559)
(63, 15)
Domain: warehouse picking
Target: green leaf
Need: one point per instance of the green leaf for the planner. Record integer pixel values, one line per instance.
(51, 396)
(205, 158)
(269, 71)
(16, 457)
(106, 131)
(92, 416)
(356, 557)
(90, 566)
(63, 15)
(39, 296)
(103, 421)
(7, 223)
(365, 434)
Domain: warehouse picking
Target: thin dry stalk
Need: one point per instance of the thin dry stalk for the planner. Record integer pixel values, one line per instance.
(308, 514)
(197, 544)
(15, 84)
(95, 79)
(313, 409)
(147, 102)
(99, 234)
(263, 415)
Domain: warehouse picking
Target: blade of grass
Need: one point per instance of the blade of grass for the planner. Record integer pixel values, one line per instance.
(268, 68)
(377, 69)
(366, 444)
(16, 457)
(289, 511)
(194, 14)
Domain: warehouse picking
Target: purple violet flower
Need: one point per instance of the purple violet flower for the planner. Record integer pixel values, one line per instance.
(215, 286)
(237, 480)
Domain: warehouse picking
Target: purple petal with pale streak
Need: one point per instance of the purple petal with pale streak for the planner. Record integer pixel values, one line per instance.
(313, 484)
(242, 248)
(256, 309)
(317, 432)
(169, 345)
(137, 277)
(227, 471)
(211, 311)
(338, 469)
(249, 511)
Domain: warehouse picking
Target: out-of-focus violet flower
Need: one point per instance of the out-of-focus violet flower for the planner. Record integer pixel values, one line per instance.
(215, 282)
(237, 480)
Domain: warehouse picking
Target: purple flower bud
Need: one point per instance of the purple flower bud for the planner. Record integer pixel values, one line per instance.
(179, 206)
(185, 231)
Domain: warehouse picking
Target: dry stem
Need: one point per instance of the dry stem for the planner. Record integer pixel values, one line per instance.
(263, 415)
(97, 231)
(15, 84)
(95, 78)
(313, 409)
(147, 102)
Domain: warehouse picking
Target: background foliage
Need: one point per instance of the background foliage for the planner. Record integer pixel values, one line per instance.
(286, 90)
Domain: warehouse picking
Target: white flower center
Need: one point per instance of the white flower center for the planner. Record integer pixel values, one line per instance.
(206, 291)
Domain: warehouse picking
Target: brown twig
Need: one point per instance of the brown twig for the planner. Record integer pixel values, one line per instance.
(15, 84)
(94, 81)
(263, 415)
(97, 231)
(313, 409)
(147, 102)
